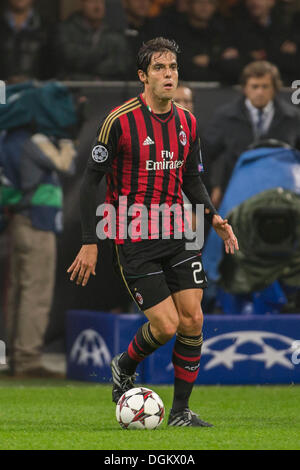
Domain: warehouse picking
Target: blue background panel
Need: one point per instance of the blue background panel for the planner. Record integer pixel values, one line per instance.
(253, 349)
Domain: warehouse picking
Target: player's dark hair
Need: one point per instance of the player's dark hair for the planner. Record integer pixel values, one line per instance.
(154, 45)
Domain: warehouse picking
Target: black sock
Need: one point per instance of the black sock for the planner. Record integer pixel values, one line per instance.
(186, 361)
(142, 345)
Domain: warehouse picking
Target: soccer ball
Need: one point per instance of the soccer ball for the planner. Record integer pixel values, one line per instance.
(140, 408)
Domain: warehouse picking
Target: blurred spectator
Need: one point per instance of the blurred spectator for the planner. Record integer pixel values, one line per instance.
(25, 43)
(202, 38)
(115, 22)
(31, 194)
(184, 97)
(225, 6)
(137, 13)
(171, 19)
(180, 7)
(258, 114)
(89, 48)
(283, 9)
(295, 26)
(286, 9)
(259, 33)
(140, 28)
(158, 6)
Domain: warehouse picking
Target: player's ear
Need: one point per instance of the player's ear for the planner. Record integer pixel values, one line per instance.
(142, 76)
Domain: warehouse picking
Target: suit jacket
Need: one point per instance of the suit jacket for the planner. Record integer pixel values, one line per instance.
(231, 132)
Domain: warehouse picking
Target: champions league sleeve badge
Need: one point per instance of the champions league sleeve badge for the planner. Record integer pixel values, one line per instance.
(99, 154)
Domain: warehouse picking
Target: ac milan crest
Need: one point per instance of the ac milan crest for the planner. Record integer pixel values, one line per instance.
(182, 138)
(139, 298)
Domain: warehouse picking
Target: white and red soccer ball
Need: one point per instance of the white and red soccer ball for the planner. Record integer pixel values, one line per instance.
(140, 408)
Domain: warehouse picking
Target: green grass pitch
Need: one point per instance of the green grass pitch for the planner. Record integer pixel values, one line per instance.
(43, 414)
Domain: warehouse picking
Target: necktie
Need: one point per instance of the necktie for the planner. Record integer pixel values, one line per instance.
(260, 122)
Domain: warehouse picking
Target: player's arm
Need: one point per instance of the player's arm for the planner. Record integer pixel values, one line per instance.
(196, 192)
(99, 163)
(85, 262)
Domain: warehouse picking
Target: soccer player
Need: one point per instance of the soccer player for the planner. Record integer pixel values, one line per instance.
(149, 150)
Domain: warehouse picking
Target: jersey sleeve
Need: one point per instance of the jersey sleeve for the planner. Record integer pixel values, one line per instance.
(194, 164)
(105, 145)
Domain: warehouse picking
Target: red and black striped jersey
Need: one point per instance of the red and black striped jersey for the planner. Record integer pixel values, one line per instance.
(146, 156)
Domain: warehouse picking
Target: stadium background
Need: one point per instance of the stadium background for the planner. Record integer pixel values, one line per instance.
(54, 414)
(101, 97)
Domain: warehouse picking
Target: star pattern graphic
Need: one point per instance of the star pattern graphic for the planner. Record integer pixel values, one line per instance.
(229, 356)
(271, 356)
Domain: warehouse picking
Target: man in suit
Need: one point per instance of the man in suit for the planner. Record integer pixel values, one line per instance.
(259, 114)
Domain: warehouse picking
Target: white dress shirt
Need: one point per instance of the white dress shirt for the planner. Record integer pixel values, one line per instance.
(267, 117)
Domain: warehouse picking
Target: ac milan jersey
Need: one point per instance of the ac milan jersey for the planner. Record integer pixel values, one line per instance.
(145, 159)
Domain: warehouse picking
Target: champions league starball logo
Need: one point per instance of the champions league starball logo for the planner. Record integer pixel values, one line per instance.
(99, 154)
(89, 345)
(236, 343)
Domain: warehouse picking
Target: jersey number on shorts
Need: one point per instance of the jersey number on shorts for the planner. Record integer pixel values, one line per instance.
(197, 266)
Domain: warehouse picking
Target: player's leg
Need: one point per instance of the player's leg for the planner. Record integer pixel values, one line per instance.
(143, 276)
(186, 356)
(187, 347)
(186, 280)
(161, 327)
(153, 297)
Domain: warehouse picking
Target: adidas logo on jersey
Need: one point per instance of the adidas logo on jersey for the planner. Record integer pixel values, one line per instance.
(148, 141)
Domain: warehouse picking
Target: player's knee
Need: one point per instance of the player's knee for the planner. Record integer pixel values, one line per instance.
(168, 329)
(191, 320)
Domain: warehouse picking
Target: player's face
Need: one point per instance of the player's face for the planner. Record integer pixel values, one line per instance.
(184, 97)
(162, 75)
(260, 90)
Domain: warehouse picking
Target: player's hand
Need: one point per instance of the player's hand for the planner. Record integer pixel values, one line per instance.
(224, 230)
(84, 264)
